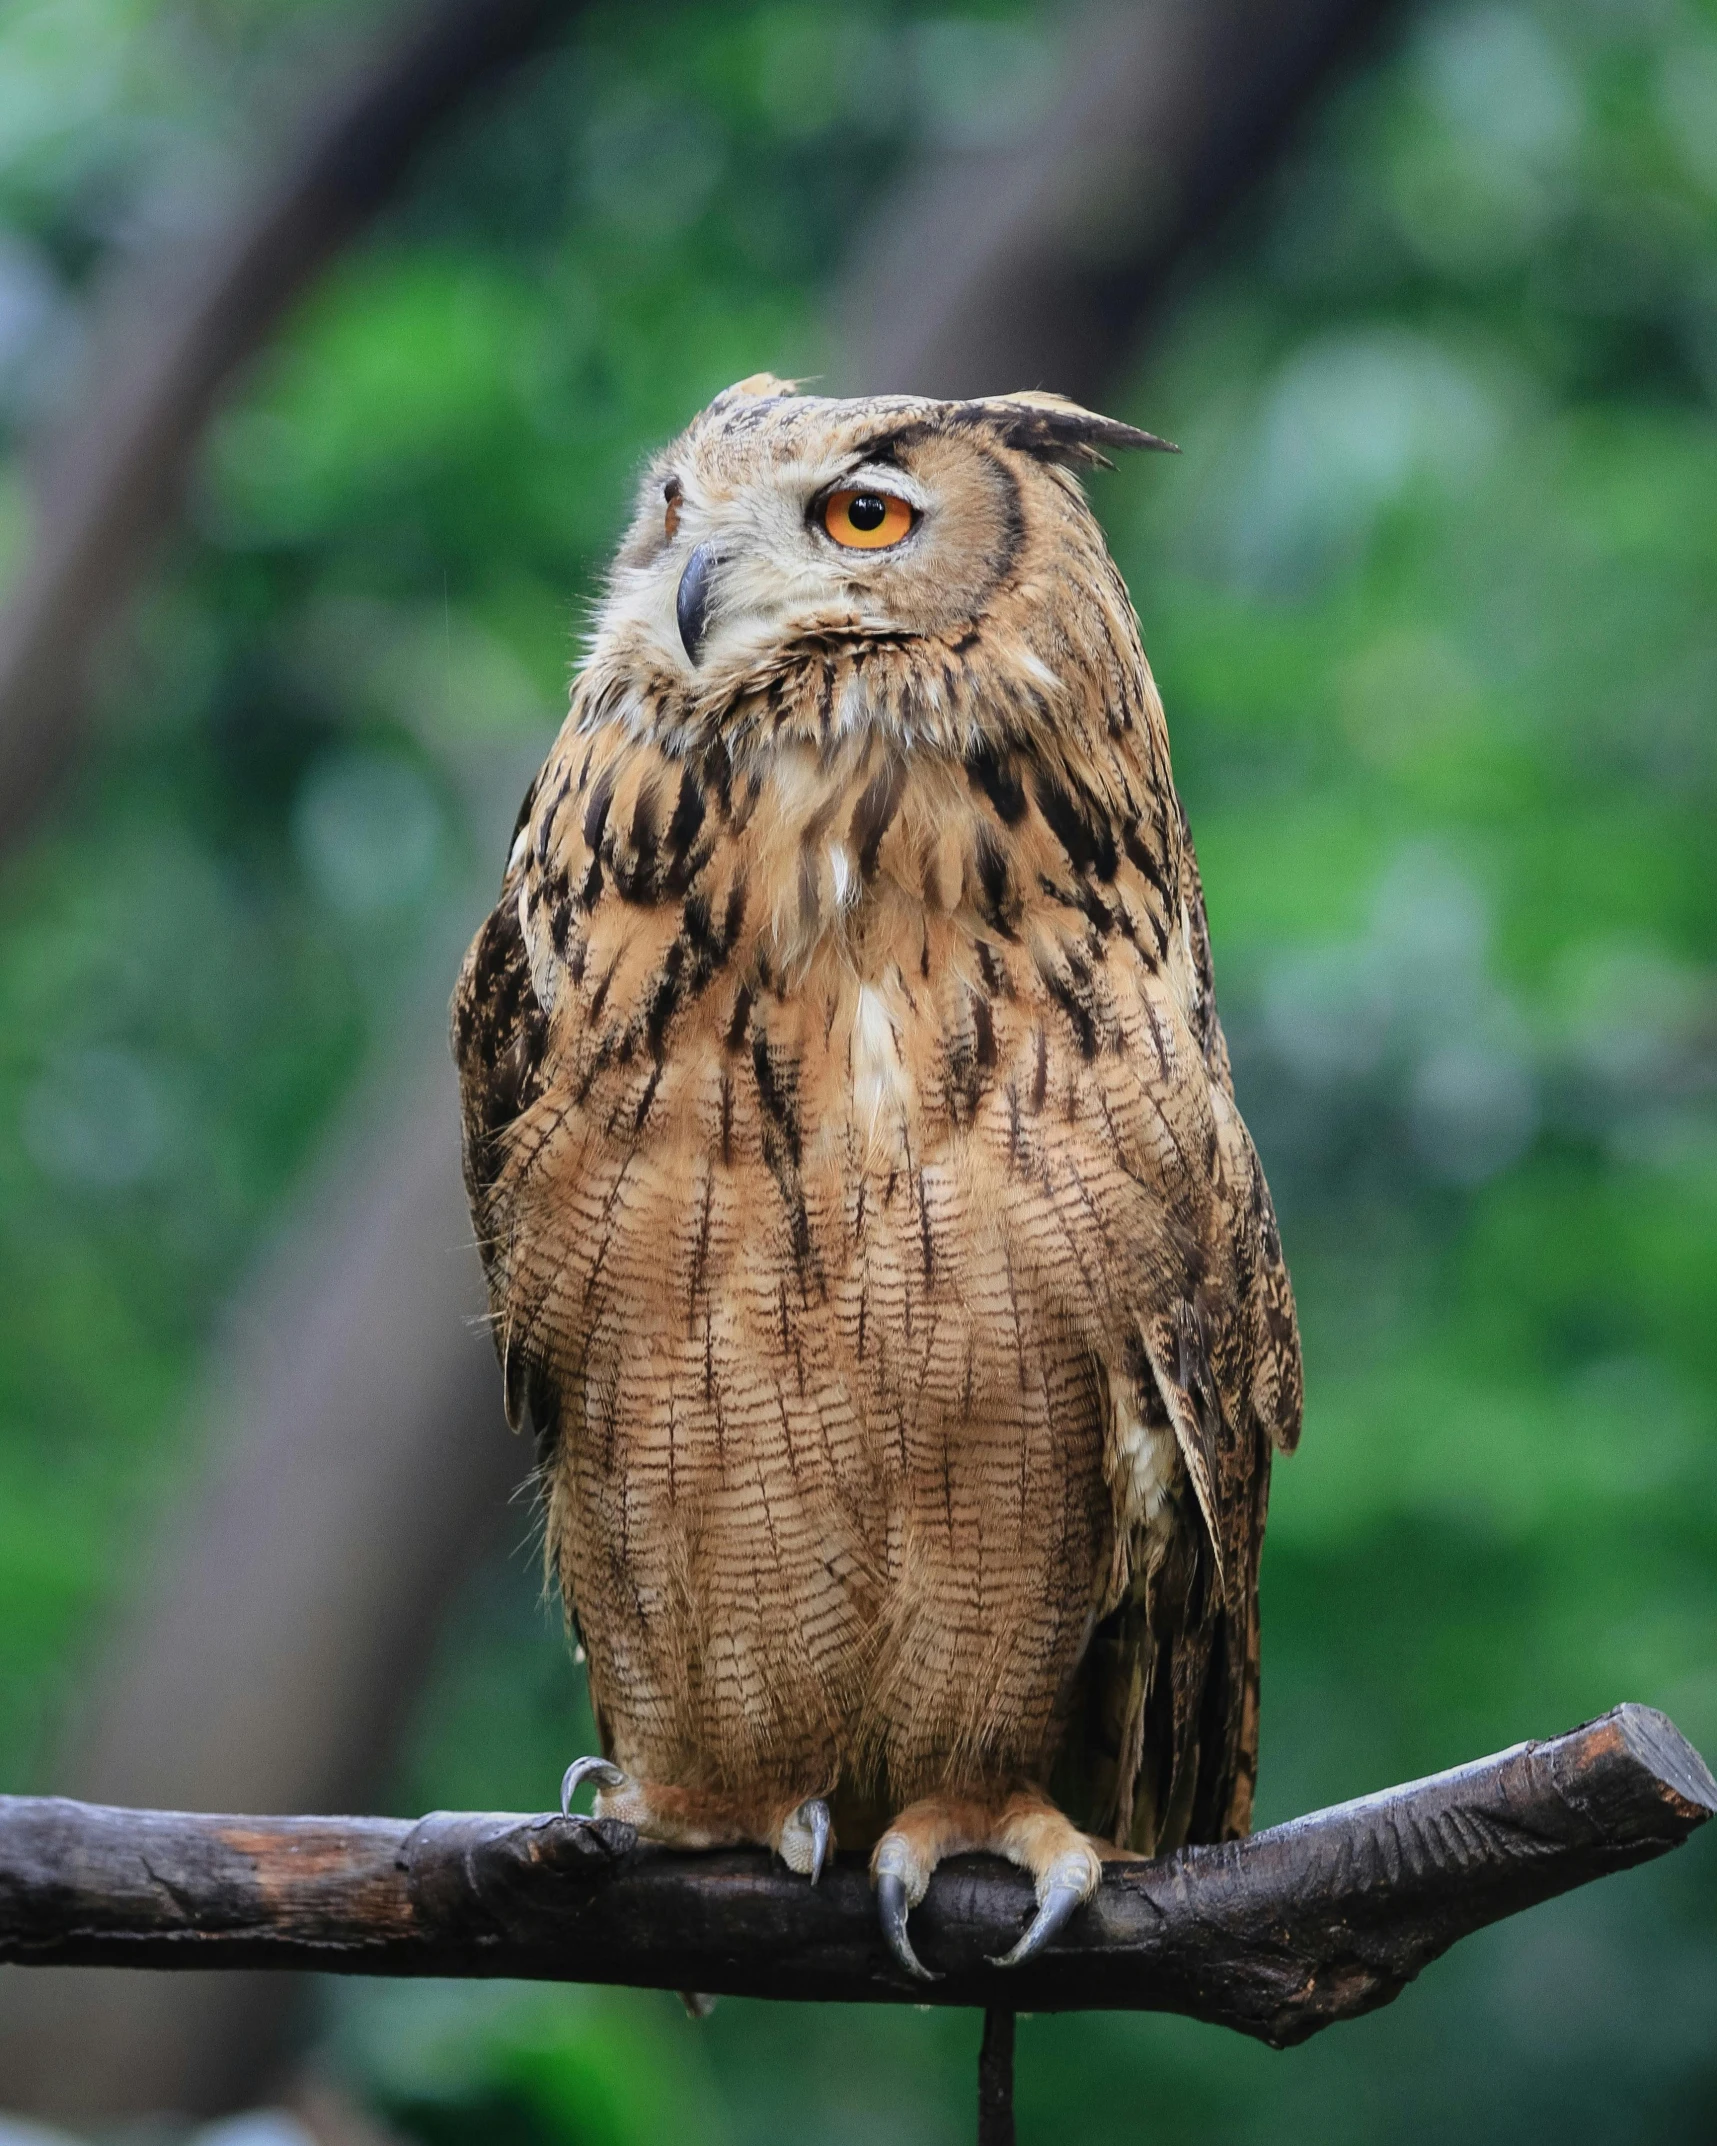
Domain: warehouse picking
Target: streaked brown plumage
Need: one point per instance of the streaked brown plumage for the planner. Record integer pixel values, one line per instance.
(871, 1233)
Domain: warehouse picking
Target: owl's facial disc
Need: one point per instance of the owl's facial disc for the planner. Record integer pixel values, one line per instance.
(785, 525)
(758, 576)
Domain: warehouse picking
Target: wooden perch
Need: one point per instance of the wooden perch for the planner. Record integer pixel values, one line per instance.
(1278, 1936)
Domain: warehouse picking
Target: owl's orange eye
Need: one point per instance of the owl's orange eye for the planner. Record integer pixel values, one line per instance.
(866, 521)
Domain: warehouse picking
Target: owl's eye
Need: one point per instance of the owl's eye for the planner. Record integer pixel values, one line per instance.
(866, 521)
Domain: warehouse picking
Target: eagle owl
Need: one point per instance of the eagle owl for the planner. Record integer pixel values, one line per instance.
(871, 1235)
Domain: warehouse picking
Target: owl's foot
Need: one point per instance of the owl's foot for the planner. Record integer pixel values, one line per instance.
(801, 1834)
(1025, 1827)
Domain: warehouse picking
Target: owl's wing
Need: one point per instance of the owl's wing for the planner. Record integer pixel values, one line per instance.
(500, 1043)
(1148, 1178)
(1171, 1697)
(1276, 1390)
(1175, 1670)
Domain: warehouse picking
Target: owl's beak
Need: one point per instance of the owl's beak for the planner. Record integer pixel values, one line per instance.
(692, 605)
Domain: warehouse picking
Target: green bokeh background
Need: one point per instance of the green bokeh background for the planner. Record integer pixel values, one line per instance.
(1432, 596)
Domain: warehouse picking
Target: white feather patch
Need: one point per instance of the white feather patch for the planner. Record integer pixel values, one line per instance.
(879, 1079)
(1034, 666)
(1145, 1458)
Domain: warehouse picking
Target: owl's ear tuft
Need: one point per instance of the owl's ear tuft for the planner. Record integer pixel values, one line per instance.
(1056, 430)
(755, 387)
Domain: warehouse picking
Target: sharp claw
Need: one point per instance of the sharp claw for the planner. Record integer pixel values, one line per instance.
(1058, 1903)
(806, 1835)
(602, 1771)
(816, 1811)
(891, 1908)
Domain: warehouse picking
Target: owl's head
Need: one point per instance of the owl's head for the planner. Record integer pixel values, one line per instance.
(778, 519)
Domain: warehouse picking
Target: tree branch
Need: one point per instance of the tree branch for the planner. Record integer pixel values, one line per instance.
(1278, 1936)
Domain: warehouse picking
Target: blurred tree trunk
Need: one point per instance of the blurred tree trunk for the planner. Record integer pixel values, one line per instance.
(359, 1462)
(1042, 263)
(356, 1451)
(176, 329)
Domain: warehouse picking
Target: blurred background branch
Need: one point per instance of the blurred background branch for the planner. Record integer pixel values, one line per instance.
(182, 319)
(1039, 261)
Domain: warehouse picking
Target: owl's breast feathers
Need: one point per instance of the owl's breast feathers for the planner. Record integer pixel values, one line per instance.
(855, 1074)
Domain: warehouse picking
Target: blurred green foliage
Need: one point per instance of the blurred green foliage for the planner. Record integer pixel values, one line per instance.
(1432, 594)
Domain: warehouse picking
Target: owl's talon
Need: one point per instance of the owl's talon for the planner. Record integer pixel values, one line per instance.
(1057, 1907)
(1069, 1885)
(892, 1908)
(602, 1771)
(805, 1836)
(821, 1830)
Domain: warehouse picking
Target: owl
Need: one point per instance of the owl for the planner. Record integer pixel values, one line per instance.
(872, 1238)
